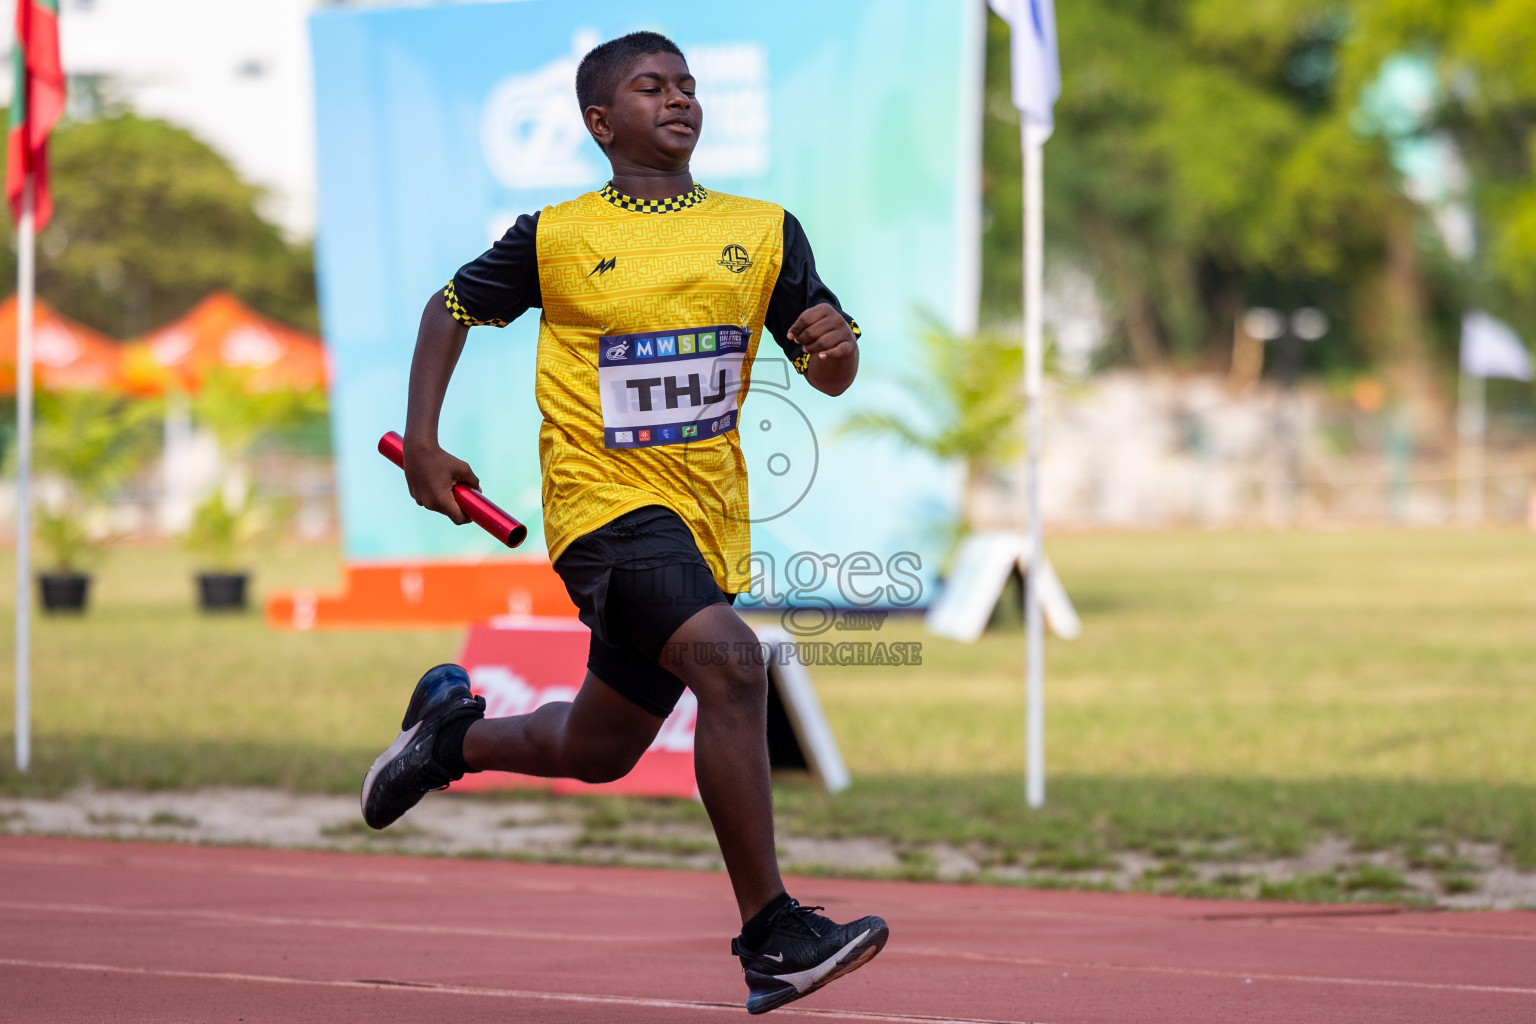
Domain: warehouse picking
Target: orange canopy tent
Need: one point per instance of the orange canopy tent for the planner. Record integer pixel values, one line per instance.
(65, 355)
(222, 334)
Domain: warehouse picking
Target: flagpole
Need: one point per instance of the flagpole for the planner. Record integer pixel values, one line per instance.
(25, 279)
(1034, 637)
(1471, 429)
(1036, 77)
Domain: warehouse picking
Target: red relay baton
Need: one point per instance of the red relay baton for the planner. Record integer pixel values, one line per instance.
(484, 512)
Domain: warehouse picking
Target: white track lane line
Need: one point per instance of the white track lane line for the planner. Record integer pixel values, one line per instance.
(498, 993)
(168, 863)
(347, 924)
(901, 952)
(1280, 919)
(1208, 972)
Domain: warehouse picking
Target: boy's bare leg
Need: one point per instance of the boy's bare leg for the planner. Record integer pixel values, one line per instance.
(730, 749)
(598, 737)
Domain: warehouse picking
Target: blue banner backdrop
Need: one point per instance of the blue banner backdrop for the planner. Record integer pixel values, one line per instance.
(439, 125)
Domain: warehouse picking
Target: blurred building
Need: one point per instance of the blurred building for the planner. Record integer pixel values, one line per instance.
(1132, 450)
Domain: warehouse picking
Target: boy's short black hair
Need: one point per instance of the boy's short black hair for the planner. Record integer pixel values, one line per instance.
(597, 77)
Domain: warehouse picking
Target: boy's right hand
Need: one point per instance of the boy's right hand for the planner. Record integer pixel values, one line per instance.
(430, 473)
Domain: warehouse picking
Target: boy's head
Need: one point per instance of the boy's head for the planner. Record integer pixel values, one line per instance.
(636, 96)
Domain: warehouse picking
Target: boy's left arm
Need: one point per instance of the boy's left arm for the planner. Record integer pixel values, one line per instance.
(829, 339)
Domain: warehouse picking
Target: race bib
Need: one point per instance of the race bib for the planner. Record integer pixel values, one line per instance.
(670, 387)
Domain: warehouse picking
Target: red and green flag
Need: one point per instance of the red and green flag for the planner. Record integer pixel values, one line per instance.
(36, 103)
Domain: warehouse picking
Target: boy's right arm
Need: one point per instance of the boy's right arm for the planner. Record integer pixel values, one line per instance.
(493, 290)
(431, 472)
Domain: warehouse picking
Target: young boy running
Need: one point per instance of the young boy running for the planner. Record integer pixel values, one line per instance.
(655, 293)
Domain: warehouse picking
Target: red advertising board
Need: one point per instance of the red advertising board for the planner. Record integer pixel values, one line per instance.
(517, 668)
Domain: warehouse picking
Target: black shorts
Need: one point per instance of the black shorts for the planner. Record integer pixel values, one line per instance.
(635, 580)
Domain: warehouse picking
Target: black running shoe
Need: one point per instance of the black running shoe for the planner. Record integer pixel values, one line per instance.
(407, 771)
(804, 951)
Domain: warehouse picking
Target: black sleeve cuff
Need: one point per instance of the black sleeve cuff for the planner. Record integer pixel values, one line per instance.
(456, 308)
(502, 283)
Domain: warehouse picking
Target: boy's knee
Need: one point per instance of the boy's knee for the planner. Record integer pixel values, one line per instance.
(600, 766)
(740, 681)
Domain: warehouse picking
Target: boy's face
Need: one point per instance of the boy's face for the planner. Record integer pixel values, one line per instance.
(654, 120)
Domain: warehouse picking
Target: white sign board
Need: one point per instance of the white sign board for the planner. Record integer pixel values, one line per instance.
(792, 684)
(980, 575)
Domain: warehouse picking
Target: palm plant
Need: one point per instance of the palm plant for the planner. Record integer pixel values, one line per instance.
(94, 442)
(238, 418)
(219, 530)
(968, 392)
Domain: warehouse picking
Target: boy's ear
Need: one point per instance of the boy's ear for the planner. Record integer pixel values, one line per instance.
(597, 124)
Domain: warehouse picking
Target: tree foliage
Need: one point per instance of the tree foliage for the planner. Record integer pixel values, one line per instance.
(1211, 155)
(147, 221)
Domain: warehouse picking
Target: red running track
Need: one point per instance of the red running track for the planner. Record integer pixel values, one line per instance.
(103, 931)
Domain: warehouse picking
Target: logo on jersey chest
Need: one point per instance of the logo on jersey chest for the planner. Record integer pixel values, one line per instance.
(734, 258)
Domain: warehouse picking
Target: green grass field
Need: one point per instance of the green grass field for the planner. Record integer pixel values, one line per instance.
(1281, 656)
(1250, 688)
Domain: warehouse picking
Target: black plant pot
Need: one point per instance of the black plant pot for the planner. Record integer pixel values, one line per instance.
(64, 592)
(222, 591)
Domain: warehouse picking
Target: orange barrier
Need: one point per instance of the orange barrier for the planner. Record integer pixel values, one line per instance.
(427, 594)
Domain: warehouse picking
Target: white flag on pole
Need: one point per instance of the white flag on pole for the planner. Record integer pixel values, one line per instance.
(1036, 70)
(1491, 348)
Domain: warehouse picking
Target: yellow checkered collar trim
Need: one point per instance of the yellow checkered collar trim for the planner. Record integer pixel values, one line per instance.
(692, 197)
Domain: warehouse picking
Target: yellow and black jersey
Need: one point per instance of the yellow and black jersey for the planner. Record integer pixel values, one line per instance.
(652, 314)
